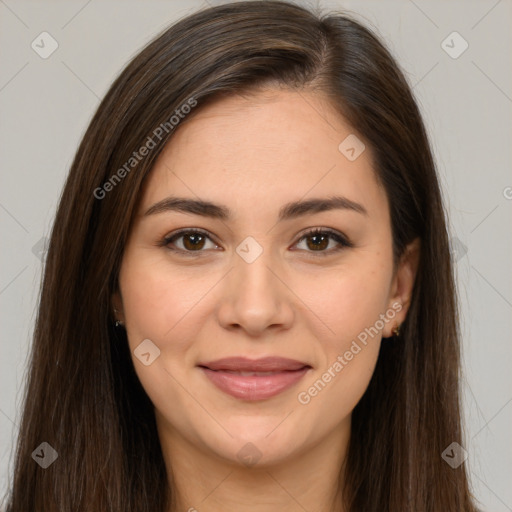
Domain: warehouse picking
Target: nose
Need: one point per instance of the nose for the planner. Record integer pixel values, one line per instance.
(255, 298)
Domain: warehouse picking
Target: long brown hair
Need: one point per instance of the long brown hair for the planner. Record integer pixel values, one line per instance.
(82, 395)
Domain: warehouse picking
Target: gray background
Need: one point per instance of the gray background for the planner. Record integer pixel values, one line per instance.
(45, 105)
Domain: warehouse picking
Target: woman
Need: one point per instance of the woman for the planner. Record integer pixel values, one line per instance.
(248, 300)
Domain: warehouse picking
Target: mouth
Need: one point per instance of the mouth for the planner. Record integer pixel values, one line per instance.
(252, 380)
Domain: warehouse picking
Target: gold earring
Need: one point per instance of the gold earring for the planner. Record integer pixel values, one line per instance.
(396, 331)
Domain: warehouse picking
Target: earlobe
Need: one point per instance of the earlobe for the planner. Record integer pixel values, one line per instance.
(403, 285)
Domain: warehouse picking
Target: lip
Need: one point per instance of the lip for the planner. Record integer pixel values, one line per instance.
(254, 379)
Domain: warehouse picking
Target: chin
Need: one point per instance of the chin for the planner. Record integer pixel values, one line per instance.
(257, 442)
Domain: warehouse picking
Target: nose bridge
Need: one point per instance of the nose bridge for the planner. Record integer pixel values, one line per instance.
(254, 276)
(253, 297)
(254, 283)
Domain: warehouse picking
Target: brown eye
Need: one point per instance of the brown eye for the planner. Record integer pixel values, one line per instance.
(319, 240)
(188, 241)
(193, 241)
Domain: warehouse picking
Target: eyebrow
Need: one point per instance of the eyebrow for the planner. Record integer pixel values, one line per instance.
(289, 211)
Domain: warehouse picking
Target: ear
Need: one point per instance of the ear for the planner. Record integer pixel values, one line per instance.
(403, 285)
(117, 307)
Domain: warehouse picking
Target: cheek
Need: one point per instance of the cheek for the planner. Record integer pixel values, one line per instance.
(352, 309)
(158, 304)
(163, 307)
(348, 300)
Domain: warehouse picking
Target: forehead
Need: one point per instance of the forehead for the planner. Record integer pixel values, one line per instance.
(272, 126)
(274, 145)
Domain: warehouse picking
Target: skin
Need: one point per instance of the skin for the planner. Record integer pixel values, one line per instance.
(253, 154)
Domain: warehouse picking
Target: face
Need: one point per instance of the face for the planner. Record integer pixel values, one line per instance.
(300, 296)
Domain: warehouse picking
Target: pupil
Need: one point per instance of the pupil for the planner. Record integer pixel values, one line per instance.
(193, 240)
(321, 239)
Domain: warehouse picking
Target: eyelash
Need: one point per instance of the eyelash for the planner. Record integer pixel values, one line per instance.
(334, 235)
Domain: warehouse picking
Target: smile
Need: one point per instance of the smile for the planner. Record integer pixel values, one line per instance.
(254, 379)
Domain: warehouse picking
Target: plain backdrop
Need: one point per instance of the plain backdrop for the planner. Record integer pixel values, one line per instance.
(466, 100)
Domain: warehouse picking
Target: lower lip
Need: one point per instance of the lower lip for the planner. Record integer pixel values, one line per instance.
(254, 387)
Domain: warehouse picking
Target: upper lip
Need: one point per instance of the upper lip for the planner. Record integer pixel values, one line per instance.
(265, 364)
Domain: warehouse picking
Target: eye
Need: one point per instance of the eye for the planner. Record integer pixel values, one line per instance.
(318, 240)
(188, 241)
